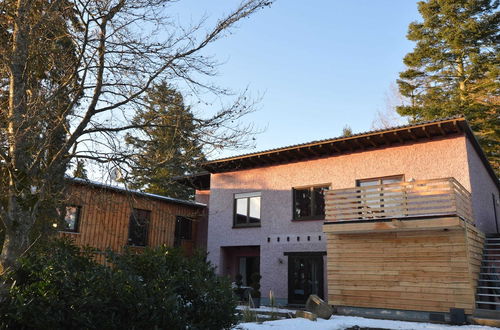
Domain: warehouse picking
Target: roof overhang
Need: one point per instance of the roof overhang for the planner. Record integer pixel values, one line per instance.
(415, 133)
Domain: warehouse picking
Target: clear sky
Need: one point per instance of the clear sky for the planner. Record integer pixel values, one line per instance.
(320, 65)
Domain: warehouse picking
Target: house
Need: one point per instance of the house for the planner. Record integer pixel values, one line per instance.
(424, 190)
(112, 217)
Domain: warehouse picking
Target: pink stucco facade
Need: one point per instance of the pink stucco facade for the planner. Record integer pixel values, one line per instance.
(437, 158)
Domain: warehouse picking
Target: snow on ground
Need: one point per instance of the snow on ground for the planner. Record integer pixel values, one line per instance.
(343, 322)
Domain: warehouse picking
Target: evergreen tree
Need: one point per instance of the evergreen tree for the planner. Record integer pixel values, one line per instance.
(454, 67)
(168, 146)
(80, 170)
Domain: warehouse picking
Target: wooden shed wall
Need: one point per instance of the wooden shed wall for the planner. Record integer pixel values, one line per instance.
(426, 270)
(105, 216)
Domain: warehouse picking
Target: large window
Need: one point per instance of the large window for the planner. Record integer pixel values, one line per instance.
(247, 209)
(309, 203)
(183, 230)
(138, 227)
(71, 219)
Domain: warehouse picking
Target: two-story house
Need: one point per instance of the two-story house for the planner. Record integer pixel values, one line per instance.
(267, 209)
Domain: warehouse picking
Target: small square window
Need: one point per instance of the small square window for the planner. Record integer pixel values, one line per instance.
(71, 219)
(247, 209)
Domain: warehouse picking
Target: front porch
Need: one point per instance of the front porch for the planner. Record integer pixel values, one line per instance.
(408, 246)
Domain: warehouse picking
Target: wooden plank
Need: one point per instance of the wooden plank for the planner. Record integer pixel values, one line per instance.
(427, 270)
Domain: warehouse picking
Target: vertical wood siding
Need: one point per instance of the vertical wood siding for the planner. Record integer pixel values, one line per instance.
(105, 214)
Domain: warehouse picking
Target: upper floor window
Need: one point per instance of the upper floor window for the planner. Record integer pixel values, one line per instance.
(138, 227)
(309, 203)
(71, 219)
(247, 209)
(183, 230)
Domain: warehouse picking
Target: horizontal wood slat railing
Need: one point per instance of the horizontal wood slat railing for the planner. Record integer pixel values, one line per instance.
(397, 200)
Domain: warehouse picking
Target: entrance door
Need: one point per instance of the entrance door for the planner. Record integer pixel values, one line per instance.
(305, 277)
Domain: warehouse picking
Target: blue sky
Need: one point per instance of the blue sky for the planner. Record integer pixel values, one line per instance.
(320, 65)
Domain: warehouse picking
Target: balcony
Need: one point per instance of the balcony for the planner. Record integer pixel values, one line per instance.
(444, 199)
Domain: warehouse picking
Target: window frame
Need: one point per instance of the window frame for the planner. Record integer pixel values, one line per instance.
(77, 220)
(248, 196)
(312, 205)
(146, 229)
(177, 233)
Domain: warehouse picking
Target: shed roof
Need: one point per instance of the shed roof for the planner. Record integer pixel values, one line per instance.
(124, 190)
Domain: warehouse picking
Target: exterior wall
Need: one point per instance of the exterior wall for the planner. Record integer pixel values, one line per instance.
(437, 158)
(482, 188)
(202, 196)
(105, 215)
(422, 270)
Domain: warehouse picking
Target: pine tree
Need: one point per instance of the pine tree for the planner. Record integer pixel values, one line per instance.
(80, 170)
(454, 67)
(168, 147)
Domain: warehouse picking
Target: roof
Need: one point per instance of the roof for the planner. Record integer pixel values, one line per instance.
(416, 132)
(135, 192)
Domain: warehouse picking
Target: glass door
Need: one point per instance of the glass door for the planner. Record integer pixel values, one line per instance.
(305, 277)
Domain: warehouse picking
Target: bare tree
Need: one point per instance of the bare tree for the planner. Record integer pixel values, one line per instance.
(73, 73)
(388, 117)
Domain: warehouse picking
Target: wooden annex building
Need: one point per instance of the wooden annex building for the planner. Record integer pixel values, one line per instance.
(111, 217)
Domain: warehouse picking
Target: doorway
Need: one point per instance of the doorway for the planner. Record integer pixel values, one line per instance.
(305, 276)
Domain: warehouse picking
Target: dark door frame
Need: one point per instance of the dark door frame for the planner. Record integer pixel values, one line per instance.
(315, 255)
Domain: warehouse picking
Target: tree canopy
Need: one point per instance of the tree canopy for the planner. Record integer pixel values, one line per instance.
(454, 67)
(71, 75)
(168, 145)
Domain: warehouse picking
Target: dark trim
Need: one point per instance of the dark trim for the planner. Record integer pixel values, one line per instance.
(301, 254)
(308, 219)
(77, 220)
(256, 225)
(495, 211)
(391, 219)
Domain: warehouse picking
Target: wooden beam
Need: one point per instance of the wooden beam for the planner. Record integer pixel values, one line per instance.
(348, 145)
(369, 139)
(359, 144)
(441, 130)
(412, 135)
(398, 137)
(334, 147)
(456, 126)
(426, 132)
(385, 139)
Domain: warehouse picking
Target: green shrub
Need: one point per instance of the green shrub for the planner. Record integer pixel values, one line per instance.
(58, 286)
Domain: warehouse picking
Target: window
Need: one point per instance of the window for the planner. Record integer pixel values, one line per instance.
(71, 219)
(309, 203)
(183, 230)
(247, 209)
(138, 227)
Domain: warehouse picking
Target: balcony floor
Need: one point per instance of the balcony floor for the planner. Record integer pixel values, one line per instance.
(394, 225)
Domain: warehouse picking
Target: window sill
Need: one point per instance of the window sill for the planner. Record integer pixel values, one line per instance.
(69, 232)
(257, 225)
(308, 219)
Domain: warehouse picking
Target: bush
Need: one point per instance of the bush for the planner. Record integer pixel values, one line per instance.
(59, 286)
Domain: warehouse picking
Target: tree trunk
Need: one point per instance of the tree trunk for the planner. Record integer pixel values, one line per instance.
(17, 219)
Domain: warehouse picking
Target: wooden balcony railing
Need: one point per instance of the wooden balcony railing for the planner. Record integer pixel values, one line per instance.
(422, 198)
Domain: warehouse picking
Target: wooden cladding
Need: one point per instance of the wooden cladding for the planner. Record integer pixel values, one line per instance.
(105, 217)
(427, 270)
(398, 200)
